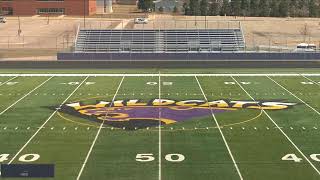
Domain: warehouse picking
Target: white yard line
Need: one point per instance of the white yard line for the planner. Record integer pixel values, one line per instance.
(222, 135)
(34, 135)
(97, 135)
(25, 96)
(164, 75)
(317, 83)
(159, 155)
(8, 80)
(280, 129)
(294, 95)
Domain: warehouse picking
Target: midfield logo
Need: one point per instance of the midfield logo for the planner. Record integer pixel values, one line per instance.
(136, 114)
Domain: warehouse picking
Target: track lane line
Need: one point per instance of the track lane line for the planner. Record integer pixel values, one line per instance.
(294, 95)
(280, 129)
(98, 133)
(219, 128)
(25, 95)
(41, 127)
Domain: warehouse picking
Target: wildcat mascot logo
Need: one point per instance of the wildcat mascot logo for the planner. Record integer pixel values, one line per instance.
(133, 114)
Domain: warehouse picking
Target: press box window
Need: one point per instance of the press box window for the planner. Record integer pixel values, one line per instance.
(50, 11)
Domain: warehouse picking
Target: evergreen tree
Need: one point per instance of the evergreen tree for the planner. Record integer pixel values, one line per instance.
(244, 7)
(214, 9)
(225, 8)
(283, 8)
(145, 5)
(312, 8)
(253, 7)
(194, 7)
(274, 8)
(236, 7)
(263, 8)
(186, 9)
(293, 8)
(204, 7)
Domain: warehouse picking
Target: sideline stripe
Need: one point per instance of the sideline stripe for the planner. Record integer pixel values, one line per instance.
(25, 96)
(280, 129)
(169, 74)
(294, 95)
(317, 83)
(8, 80)
(34, 135)
(97, 135)
(218, 125)
(159, 126)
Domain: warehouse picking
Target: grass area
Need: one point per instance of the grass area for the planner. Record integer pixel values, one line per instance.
(122, 140)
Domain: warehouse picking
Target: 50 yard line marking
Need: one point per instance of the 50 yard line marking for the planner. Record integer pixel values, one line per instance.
(98, 132)
(288, 138)
(34, 135)
(222, 135)
(159, 155)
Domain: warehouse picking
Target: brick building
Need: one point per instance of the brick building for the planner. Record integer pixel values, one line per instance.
(43, 7)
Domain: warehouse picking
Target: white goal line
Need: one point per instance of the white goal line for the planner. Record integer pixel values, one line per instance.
(150, 75)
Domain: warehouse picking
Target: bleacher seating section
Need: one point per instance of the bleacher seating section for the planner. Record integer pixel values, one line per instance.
(170, 40)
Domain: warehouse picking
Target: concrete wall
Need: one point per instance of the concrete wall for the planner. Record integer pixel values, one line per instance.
(157, 64)
(187, 56)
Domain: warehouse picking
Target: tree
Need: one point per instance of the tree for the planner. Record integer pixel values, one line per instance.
(141, 4)
(263, 8)
(244, 7)
(236, 7)
(145, 5)
(225, 8)
(312, 8)
(283, 8)
(186, 9)
(293, 6)
(175, 9)
(194, 7)
(253, 8)
(274, 8)
(204, 7)
(161, 9)
(214, 9)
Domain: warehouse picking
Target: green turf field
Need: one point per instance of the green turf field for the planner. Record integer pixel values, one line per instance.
(163, 126)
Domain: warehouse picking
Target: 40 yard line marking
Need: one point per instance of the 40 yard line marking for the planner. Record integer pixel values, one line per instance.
(98, 132)
(25, 95)
(311, 80)
(280, 129)
(222, 135)
(8, 80)
(294, 95)
(34, 135)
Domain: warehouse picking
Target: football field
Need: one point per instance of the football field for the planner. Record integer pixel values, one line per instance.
(162, 126)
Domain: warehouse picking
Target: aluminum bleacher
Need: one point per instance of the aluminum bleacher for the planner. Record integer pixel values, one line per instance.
(169, 40)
